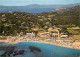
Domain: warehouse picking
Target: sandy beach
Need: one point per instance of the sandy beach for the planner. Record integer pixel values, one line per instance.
(60, 42)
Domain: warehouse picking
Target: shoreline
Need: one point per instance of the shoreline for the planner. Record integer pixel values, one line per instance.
(45, 43)
(58, 42)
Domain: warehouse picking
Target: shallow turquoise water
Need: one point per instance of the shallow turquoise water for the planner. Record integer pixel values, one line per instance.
(48, 50)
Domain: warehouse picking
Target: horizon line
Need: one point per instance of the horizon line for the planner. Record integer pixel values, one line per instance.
(41, 4)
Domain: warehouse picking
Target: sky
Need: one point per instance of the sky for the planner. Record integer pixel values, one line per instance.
(41, 2)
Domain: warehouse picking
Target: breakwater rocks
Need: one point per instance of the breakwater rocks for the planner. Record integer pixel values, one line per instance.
(32, 49)
(10, 51)
(17, 50)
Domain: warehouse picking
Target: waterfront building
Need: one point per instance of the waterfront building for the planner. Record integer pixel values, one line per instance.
(54, 32)
(64, 36)
(30, 34)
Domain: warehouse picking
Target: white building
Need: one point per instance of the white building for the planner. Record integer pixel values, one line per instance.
(64, 36)
(30, 34)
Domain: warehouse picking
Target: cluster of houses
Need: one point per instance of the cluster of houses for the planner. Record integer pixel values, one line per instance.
(50, 33)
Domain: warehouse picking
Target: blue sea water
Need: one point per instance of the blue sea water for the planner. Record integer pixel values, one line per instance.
(47, 50)
(29, 10)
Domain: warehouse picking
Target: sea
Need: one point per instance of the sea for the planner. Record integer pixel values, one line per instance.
(47, 50)
(28, 10)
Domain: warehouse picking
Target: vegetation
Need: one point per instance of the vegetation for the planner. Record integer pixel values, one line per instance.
(12, 23)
